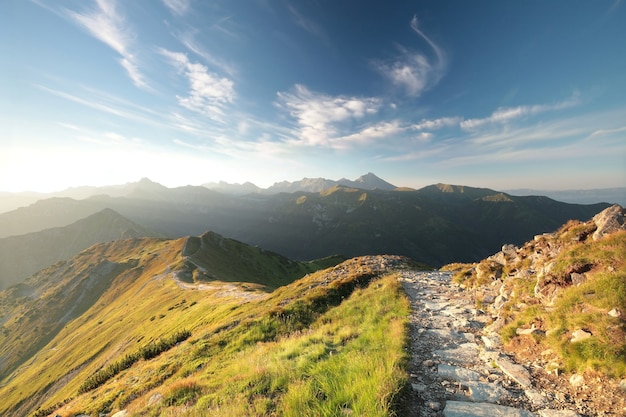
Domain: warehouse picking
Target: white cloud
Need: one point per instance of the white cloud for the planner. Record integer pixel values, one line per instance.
(131, 68)
(382, 130)
(109, 27)
(414, 71)
(178, 7)
(320, 117)
(208, 92)
(605, 132)
(435, 124)
(505, 115)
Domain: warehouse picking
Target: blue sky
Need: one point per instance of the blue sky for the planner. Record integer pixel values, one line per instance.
(528, 94)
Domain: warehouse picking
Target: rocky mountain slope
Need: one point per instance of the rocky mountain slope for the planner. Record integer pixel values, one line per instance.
(558, 304)
(23, 255)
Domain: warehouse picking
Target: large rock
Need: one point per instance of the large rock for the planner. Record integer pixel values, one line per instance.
(609, 221)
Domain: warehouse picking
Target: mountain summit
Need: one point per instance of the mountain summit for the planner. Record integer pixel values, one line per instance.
(368, 181)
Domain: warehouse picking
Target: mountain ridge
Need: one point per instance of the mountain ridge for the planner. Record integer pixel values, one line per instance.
(428, 225)
(74, 319)
(23, 255)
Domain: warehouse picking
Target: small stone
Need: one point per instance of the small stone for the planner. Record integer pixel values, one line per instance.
(428, 363)
(418, 387)
(579, 335)
(616, 312)
(514, 371)
(347, 411)
(155, 398)
(535, 397)
(489, 299)
(434, 405)
(577, 380)
(558, 413)
(622, 385)
(577, 278)
(532, 330)
(490, 341)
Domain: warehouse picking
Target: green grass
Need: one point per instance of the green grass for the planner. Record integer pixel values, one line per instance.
(325, 344)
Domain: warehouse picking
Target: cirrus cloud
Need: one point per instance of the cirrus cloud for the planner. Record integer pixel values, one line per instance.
(413, 71)
(106, 24)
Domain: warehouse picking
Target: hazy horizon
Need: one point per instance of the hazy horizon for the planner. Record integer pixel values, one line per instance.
(521, 189)
(495, 95)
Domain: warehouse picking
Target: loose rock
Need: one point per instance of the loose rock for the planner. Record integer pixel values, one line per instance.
(579, 335)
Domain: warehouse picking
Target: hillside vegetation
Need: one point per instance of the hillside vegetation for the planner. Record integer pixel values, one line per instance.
(562, 296)
(159, 327)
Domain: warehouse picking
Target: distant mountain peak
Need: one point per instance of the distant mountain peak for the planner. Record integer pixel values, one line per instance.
(372, 181)
(367, 181)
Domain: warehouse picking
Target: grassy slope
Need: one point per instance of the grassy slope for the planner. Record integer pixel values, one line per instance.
(263, 352)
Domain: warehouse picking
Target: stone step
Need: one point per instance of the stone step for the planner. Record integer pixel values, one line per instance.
(464, 354)
(457, 373)
(465, 409)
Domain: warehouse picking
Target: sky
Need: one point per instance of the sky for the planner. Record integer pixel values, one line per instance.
(498, 94)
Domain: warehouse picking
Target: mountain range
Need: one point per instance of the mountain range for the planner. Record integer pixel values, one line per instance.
(11, 201)
(436, 225)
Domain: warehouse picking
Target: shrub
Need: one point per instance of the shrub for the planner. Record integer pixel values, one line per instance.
(147, 352)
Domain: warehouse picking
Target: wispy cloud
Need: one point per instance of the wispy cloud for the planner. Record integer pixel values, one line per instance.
(307, 24)
(188, 39)
(435, 124)
(178, 7)
(371, 134)
(208, 92)
(320, 118)
(505, 115)
(606, 132)
(413, 71)
(106, 24)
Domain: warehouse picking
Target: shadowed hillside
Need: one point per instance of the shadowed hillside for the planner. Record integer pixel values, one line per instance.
(22, 256)
(436, 225)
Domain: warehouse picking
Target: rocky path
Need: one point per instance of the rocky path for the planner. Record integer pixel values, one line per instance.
(457, 369)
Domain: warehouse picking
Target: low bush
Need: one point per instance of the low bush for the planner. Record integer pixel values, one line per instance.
(147, 352)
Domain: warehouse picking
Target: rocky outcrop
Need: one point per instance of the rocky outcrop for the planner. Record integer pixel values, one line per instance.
(609, 221)
(526, 290)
